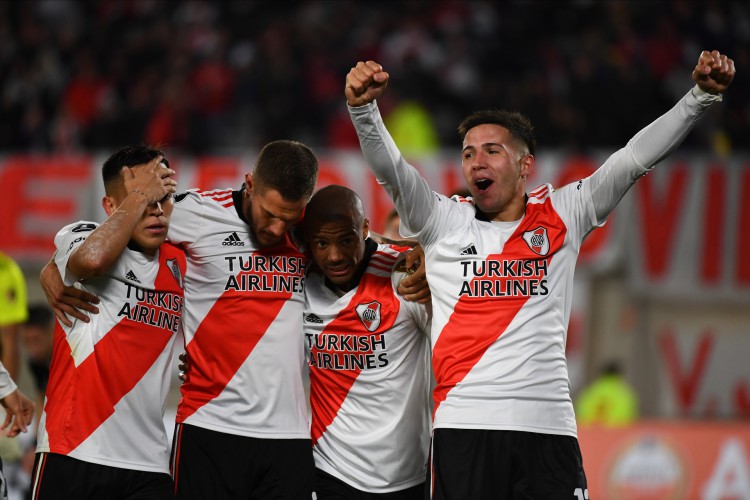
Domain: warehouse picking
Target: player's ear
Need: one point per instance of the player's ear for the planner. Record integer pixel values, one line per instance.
(249, 183)
(365, 228)
(527, 165)
(109, 206)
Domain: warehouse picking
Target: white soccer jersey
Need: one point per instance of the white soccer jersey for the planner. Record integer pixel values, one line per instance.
(501, 292)
(109, 378)
(242, 322)
(369, 379)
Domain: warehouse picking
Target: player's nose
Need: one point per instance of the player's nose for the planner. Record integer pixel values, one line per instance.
(155, 209)
(478, 160)
(278, 228)
(335, 254)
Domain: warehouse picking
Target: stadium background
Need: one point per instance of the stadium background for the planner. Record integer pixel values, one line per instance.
(664, 288)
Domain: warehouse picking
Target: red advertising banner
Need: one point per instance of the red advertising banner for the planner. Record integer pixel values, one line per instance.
(667, 460)
(684, 231)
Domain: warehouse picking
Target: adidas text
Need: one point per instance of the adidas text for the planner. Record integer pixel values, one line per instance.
(233, 241)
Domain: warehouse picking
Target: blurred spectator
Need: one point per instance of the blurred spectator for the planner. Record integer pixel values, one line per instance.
(13, 312)
(411, 127)
(608, 401)
(210, 77)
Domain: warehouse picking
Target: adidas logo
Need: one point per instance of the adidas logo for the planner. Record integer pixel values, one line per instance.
(470, 250)
(233, 241)
(313, 319)
(132, 277)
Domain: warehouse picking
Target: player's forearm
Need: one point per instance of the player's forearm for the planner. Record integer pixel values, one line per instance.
(666, 133)
(409, 191)
(106, 243)
(647, 148)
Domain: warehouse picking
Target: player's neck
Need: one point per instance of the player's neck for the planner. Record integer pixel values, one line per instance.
(512, 212)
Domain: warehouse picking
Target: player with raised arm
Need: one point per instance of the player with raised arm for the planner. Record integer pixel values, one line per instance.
(500, 267)
(242, 423)
(102, 433)
(368, 355)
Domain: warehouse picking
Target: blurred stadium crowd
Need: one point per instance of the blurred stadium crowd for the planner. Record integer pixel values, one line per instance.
(205, 77)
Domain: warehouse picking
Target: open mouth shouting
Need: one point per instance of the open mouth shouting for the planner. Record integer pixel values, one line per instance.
(482, 185)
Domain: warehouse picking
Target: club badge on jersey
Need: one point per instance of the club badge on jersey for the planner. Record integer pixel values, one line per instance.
(537, 240)
(369, 313)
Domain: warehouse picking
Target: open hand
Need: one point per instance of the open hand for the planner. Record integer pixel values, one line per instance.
(154, 180)
(66, 300)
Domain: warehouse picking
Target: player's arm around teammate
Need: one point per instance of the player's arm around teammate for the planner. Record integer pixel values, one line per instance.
(102, 427)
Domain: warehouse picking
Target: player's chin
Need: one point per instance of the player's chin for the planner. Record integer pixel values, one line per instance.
(269, 241)
(155, 243)
(485, 203)
(339, 277)
(150, 241)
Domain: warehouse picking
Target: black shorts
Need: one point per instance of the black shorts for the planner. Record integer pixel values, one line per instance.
(468, 463)
(328, 487)
(63, 477)
(208, 464)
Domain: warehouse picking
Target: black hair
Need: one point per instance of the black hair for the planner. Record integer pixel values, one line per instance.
(129, 156)
(518, 125)
(289, 167)
(333, 203)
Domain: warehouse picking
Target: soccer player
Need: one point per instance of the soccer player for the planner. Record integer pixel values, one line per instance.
(242, 423)
(369, 359)
(500, 267)
(102, 433)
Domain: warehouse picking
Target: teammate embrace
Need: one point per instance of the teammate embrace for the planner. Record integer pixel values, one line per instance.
(503, 422)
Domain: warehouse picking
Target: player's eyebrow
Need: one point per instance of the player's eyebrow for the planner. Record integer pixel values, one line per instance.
(276, 216)
(485, 145)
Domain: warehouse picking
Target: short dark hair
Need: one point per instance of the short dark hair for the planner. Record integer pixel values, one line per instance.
(289, 167)
(40, 316)
(333, 203)
(518, 125)
(128, 156)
